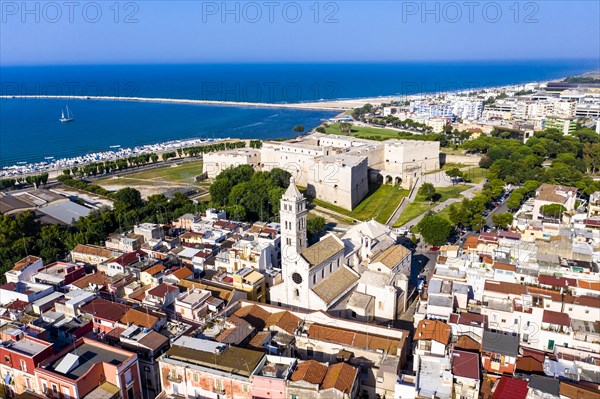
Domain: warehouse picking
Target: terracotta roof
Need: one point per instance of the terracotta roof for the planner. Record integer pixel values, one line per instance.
(574, 390)
(182, 273)
(471, 242)
(392, 256)
(469, 319)
(558, 282)
(558, 318)
(107, 310)
(98, 278)
(529, 365)
(589, 284)
(340, 376)
(310, 371)
(284, 320)
(259, 340)
(129, 258)
(254, 315)
(504, 266)
(467, 343)
(92, 250)
(139, 318)
(162, 289)
(23, 263)
(322, 250)
(509, 234)
(583, 300)
(465, 364)
(17, 305)
(511, 388)
(355, 339)
(504, 287)
(335, 284)
(548, 192)
(433, 330)
(156, 269)
(218, 292)
(153, 340)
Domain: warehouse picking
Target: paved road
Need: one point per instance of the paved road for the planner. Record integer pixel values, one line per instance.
(470, 193)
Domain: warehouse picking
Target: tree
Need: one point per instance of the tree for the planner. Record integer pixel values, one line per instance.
(435, 229)
(127, 199)
(514, 201)
(454, 174)
(298, 128)
(320, 129)
(553, 210)
(502, 220)
(154, 157)
(315, 225)
(345, 127)
(427, 191)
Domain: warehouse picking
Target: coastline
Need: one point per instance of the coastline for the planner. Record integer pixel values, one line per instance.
(339, 105)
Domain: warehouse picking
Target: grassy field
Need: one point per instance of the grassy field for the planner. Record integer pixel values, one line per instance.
(379, 204)
(475, 174)
(158, 180)
(364, 132)
(420, 205)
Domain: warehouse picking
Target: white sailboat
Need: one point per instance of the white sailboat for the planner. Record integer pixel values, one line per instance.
(67, 118)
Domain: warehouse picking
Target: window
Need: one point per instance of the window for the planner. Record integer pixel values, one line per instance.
(66, 393)
(54, 389)
(309, 351)
(218, 385)
(23, 365)
(195, 377)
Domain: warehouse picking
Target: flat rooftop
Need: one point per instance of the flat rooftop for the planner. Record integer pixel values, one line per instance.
(29, 346)
(87, 355)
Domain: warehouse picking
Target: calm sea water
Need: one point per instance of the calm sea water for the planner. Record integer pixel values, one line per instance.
(30, 131)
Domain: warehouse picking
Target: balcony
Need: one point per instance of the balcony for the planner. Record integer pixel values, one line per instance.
(174, 378)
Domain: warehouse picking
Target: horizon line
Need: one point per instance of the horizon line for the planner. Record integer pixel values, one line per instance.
(304, 62)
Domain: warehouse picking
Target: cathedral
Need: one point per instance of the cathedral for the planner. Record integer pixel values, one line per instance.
(353, 276)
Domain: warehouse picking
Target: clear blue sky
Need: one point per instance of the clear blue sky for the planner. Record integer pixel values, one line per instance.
(201, 31)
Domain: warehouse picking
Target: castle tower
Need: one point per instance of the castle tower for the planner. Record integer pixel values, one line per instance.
(292, 216)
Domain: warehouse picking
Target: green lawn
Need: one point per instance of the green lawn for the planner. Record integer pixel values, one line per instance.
(379, 204)
(421, 205)
(366, 132)
(178, 173)
(475, 174)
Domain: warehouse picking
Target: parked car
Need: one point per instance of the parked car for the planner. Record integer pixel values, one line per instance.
(434, 249)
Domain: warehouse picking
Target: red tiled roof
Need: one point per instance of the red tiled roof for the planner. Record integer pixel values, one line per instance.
(583, 300)
(504, 266)
(107, 310)
(558, 282)
(161, 290)
(310, 371)
(558, 318)
(433, 330)
(465, 364)
(340, 376)
(130, 257)
(17, 305)
(470, 319)
(98, 278)
(589, 285)
(183, 273)
(284, 320)
(511, 388)
(156, 269)
(509, 234)
(504, 287)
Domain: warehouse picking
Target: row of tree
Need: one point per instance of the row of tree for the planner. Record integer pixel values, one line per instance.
(32, 180)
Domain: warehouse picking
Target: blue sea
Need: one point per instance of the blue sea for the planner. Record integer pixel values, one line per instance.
(30, 130)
